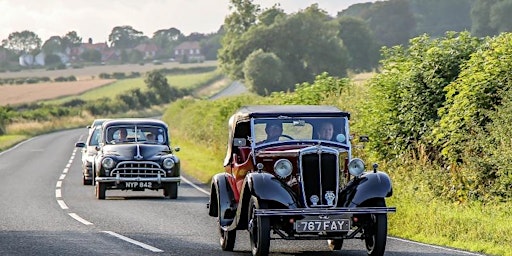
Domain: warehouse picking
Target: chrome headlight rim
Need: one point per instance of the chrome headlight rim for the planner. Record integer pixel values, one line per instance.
(168, 163)
(283, 168)
(108, 163)
(356, 167)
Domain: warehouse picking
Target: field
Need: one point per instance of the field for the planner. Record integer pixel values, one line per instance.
(87, 80)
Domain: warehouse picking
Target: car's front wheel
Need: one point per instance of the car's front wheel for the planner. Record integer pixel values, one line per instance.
(335, 244)
(101, 190)
(227, 239)
(259, 229)
(376, 232)
(171, 190)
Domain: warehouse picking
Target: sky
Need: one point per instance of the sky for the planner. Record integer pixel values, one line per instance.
(96, 18)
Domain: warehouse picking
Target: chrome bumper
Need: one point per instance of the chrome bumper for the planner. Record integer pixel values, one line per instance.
(118, 180)
(321, 212)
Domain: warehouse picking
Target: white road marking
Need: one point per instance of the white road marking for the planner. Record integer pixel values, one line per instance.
(62, 204)
(59, 184)
(65, 170)
(58, 193)
(434, 246)
(129, 240)
(79, 219)
(62, 176)
(195, 186)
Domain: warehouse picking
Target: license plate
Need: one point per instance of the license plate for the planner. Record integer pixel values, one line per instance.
(138, 184)
(335, 225)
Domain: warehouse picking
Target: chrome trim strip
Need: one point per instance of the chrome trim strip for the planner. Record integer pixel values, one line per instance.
(317, 212)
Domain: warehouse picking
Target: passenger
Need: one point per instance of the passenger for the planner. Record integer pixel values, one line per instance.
(150, 137)
(325, 131)
(274, 130)
(122, 135)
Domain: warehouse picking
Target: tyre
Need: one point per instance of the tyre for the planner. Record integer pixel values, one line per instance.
(227, 239)
(86, 181)
(335, 244)
(101, 190)
(259, 229)
(171, 190)
(376, 232)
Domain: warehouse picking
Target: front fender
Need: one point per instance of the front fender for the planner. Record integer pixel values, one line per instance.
(266, 187)
(222, 199)
(370, 185)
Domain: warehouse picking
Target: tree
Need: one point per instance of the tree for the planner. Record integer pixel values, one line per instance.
(265, 73)
(392, 22)
(71, 39)
(360, 42)
(481, 18)
(500, 16)
(52, 45)
(91, 55)
(167, 38)
(22, 42)
(306, 43)
(125, 37)
(158, 84)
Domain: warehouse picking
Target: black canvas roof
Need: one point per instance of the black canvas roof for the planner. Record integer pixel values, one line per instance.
(261, 111)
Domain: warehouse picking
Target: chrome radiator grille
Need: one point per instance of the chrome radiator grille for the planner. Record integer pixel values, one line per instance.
(320, 177)
(132, 169)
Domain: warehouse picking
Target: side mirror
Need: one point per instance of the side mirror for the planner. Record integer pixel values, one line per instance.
(364, 138)
(239, 142)
(80, 144)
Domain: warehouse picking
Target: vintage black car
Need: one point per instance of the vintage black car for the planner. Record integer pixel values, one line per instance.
(135, 154)
(289, 170)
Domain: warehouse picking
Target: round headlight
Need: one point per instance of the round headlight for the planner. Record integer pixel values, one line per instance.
(108, 163)
(356, 167)
(283, 168)
(168, 163)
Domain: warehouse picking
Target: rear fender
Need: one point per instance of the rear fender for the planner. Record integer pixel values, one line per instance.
(370, 185)
(222, 199)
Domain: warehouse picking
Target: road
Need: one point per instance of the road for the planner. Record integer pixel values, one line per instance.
(45, 210)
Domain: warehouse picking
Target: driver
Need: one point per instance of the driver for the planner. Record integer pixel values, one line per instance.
(274, 130)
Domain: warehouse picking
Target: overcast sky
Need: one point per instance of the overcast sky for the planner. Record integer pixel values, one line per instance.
(96, 18)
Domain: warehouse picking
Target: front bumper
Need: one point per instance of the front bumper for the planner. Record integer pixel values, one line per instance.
(157, 179)
(323, 212)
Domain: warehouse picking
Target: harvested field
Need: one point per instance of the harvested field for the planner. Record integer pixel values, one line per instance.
(87, 76)
(28, 93)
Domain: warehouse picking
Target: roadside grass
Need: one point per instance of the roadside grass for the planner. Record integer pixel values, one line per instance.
(8, 141)
(197, 160)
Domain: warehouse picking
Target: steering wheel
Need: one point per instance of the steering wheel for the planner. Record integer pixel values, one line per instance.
(286, 136)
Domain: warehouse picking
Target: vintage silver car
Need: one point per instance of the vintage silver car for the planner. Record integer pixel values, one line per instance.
(136, 154)
(289, 174)
(89, 151)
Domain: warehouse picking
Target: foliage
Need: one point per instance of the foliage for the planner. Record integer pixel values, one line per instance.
(22, 42)
(265, 73)
(405, 97)
(360, 42)
(305, 42)
(91, 55)
(124, 37)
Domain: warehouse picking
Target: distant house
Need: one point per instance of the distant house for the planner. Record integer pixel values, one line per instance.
(149, 50)
(26, 60)
(189, 51)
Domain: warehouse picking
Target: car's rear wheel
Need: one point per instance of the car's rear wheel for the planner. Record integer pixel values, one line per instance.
(335, 244)
(376, 231)
(259, 229)
(171, 190)
(101, 190)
